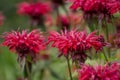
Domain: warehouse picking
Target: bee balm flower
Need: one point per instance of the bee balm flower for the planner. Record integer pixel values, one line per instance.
(24, 43)
(100, 72)
(76, 43)
(98, 8)
(35, 11)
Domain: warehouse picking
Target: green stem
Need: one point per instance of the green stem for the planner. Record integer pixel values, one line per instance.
(105, 56)
(69, 68)
(27, 70)
(31, 28)
(41, 23)
(107, 37)
(42, 74)
(107, 33)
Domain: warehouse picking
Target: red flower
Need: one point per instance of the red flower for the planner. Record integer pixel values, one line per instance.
(107, 7)
(76, 42)
(60, 41)
(64, 21)
(99, 72)
(24, 43)
(33, 9)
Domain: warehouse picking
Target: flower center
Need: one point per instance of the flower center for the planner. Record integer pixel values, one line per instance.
(22, 49)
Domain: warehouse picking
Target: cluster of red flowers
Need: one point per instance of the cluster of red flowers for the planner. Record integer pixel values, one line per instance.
(76, 42)
(33, 9)
(71, 44)
(68, 41)
(108, 7)
(24, 43)
(99, 72)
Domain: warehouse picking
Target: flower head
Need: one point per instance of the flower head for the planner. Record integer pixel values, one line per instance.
(24, 43)
(100, 72)
(97, 6)
(100, 8)
(33, 9)
(76, 43)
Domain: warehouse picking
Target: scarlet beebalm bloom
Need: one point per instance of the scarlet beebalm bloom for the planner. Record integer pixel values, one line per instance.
(100, 8)
(97, 6)
(24, 43)
(100, 72)
(76, 42)
(33, 9)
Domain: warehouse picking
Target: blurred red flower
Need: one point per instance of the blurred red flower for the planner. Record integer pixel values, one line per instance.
(33, 9)
(24, 43)
(97, 6)
(100, 72)
(63, 21)
(100, 9)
